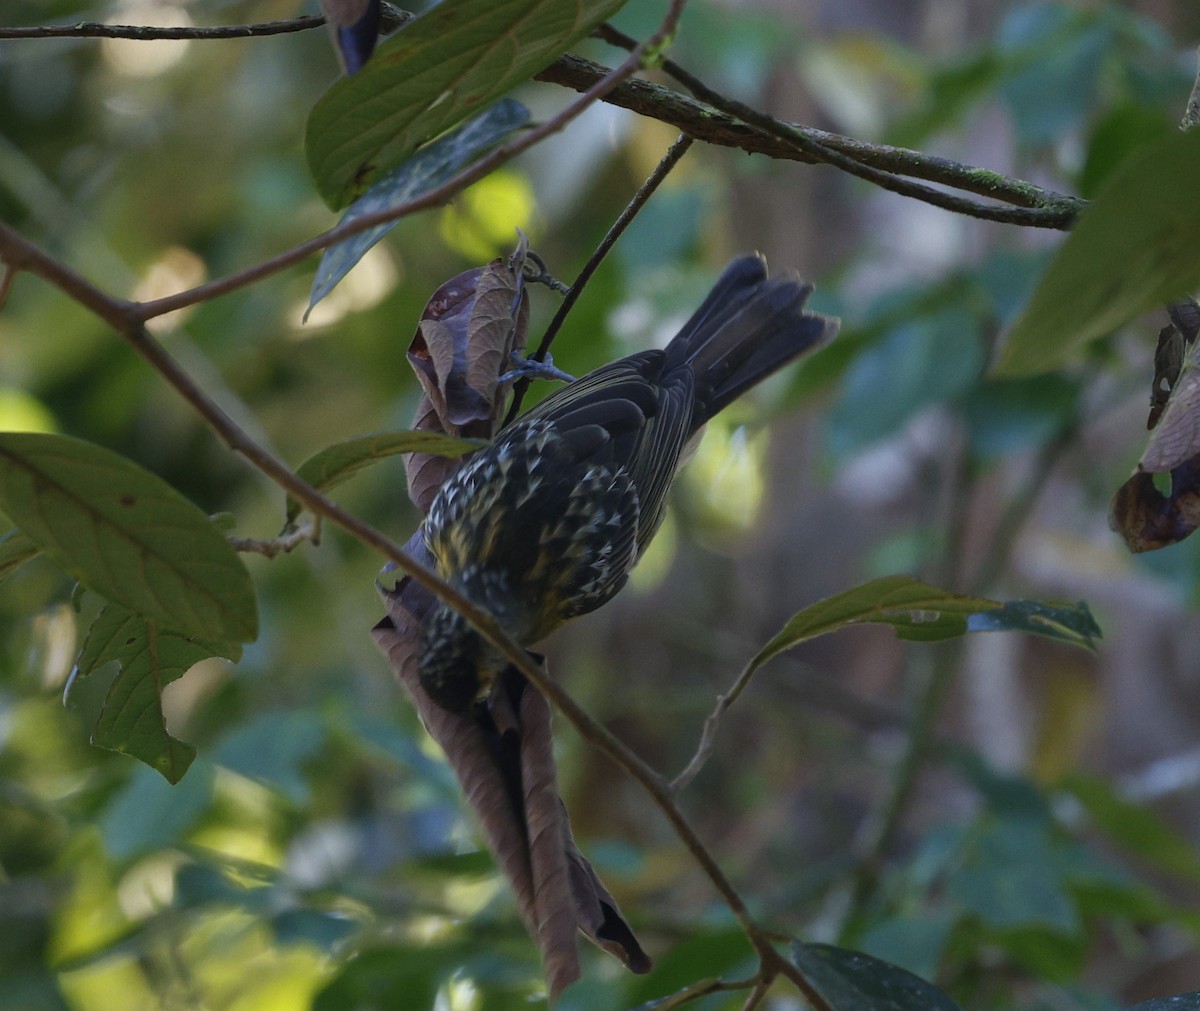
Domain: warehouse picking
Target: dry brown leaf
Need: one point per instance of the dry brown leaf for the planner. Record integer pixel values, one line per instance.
(1147, 518)
(427, 472)
(471, 748)
(504, 761)
(545, 822)
(464, 341)
(597, 912)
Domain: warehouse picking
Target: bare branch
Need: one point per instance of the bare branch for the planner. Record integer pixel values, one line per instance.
(732, 124)
(310, 532)
(151, 33)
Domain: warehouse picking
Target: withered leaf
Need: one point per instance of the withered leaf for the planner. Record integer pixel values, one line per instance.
(1147, 518)
(427, 472)
(468, 746)
(462, 346)
(1174, 358)
(545, 821)
(504, 761)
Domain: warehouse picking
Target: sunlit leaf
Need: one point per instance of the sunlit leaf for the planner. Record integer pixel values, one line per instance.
(852, 981)
(450, 61)
(15, 550)
(335, 464)
(1135, 249)
(150, 658)
(429, 167)
(126, 534)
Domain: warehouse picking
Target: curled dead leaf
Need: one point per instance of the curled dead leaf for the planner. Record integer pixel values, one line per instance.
(504, 761)
(463, 344)
(1148, 518)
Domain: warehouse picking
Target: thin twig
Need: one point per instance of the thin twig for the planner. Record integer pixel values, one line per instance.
(154, 33)
(668, 161)
(701, 988)
(309, 532)
(761, 134)
(756, 996)
(708, 736)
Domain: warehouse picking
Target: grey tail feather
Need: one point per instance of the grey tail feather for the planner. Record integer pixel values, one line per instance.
(748, 327)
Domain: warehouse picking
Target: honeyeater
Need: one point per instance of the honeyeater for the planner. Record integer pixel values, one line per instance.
(546, 523)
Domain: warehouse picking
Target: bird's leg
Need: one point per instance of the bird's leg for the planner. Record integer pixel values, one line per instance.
(531, 368)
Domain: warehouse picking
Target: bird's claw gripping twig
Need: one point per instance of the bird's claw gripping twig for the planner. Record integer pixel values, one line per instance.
(531, 368)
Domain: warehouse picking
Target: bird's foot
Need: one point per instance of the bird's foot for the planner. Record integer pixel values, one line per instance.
(530, 368)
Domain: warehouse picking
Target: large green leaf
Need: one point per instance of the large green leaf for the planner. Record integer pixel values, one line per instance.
(335, 464)
(1135, 249)
(852, 981)
(15, 550)
(437, 69)
(431, 166)
(126, 534)
(150, 658)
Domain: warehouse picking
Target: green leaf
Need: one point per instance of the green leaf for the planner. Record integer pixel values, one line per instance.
(275, 748)
(428, 168)
(15, 550)
(148, 814)
(1071, 623)
(1011, 878)
(914, 942)
(382, 977)
(150, 658)
(1180, 1002)
(1136, 827)
(923, 613)
(1134, 249)
(920, 362)
(448, 62)
(915, 609)
(127, 535)
(335, 464)
(852, 981)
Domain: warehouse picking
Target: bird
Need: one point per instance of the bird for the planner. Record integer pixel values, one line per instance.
(546, 523)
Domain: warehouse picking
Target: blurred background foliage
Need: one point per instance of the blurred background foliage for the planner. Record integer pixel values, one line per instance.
(1046, 858)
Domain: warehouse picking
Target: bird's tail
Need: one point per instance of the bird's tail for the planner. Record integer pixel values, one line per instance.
(748, 327)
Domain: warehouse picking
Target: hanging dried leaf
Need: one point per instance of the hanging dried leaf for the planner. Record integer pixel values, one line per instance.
(468, 331)
(470, 748)
(545, 822)
(1144, 512)
(1147, 518)
(427, 472)
(504, 761)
